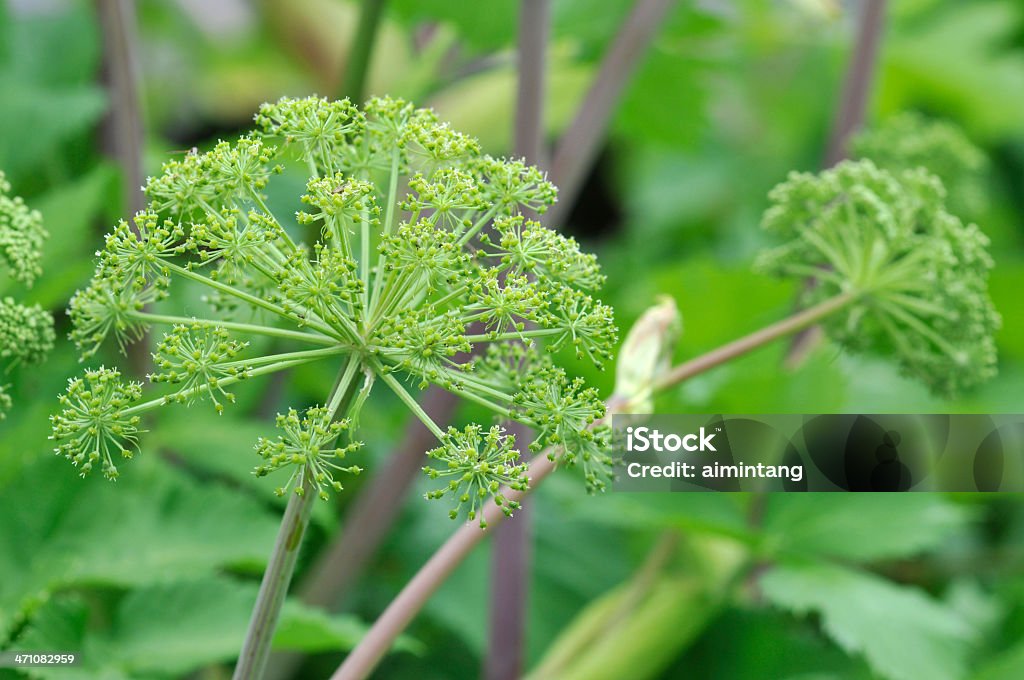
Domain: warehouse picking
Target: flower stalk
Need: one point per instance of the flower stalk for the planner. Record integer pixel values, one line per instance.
(276, 579)
(278, 575)
(792, 324)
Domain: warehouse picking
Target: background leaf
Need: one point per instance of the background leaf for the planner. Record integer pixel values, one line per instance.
(173, 628)
(903, 634)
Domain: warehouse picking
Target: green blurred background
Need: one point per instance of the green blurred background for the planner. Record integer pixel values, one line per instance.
(153, 577)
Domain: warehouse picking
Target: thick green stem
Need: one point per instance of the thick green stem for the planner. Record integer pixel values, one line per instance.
(275, 583)
(278, 575)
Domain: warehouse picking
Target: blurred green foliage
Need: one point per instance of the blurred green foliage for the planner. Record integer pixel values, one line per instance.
(153, 577)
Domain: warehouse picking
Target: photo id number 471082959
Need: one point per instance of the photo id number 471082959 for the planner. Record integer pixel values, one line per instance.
(12, 659)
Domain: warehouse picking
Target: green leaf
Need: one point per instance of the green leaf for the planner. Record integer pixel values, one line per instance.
(61, 625)
(951, 58)
(774, 646)
(60, 532)
(665, 101)
(54, 116)
(174, 628)
(1007, 666)
(902, 633)
(48, 63)
(33, 35)
(69, 212)
(482, 25)
(860, 526)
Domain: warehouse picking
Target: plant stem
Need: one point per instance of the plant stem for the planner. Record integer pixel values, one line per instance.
(439, 567)
(123, 126)
(122, 129)
(849, 117)
(288, 357)
(358, 65)
(787, 326)
(276, 578)
(857, 84)
(278, 575)
(579, 146)
(510, 559)
(534, 29)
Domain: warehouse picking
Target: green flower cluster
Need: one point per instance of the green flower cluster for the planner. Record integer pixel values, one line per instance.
(477, 464)
(198, 358)
(26, 332)
(97, 422)
(409, 254)
(916, 275)
(307, 448)
(909, 140)
(21, 236)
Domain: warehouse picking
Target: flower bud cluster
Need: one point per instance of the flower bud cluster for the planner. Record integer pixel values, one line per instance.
(198, 358)
(307, 447)
(95, 424)
(917, 274)
(477, 464)
(26, 332)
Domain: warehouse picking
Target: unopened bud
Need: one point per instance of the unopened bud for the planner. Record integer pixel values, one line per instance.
(646, 353)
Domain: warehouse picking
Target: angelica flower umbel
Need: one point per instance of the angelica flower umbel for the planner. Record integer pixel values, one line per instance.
(409, 253)
(26, 332)
(916, 276)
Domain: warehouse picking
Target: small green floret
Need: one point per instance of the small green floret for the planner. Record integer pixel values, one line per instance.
(309, 448)
(26, 333)
(95, 423)
(477, 464)
(197, 359)
(566, 415)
